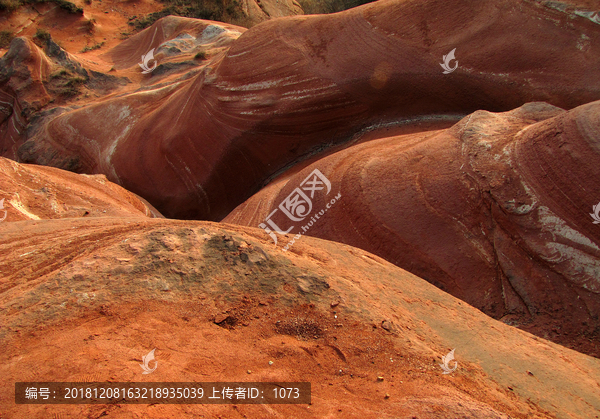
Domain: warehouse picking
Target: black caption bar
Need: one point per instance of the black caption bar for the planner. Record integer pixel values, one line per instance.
(167, 393)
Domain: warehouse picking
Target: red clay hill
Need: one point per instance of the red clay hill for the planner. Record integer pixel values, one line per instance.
(494, 210)
(198, 136)
(445, 194)
(31, 192)
(83, 298)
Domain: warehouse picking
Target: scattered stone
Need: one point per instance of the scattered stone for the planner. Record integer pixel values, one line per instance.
(270, 362)
(380, 378)
(220, 318)
(335, 304)
(386, 325)
(387, 396)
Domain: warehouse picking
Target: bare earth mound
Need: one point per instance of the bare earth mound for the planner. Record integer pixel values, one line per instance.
(84, 299)
(445, 207)
(494, 210)
(32, 192)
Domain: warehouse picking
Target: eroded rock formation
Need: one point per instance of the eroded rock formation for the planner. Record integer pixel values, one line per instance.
(199, 145)
(30, 192)
(495, 210)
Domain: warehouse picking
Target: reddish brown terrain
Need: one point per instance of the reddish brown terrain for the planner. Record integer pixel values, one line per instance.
(83, 299)
(197, 137)
(494, 210)
(447, 211)
(40, 193)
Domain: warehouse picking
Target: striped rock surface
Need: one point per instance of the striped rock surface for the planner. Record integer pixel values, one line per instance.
(198, 145)
(496, 210)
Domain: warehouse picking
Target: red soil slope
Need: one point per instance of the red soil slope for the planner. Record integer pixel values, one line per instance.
(102, 22)
(84, 299)
(288, 88)
(36, 193)
(494, 210)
